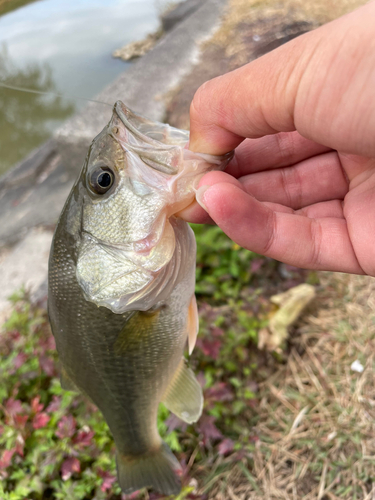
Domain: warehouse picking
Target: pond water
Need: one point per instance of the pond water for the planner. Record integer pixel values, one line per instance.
(64, 47)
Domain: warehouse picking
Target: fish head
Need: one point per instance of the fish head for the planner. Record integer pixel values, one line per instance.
(137, 174)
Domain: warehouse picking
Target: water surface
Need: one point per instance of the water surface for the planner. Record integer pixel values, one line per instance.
(60, 46)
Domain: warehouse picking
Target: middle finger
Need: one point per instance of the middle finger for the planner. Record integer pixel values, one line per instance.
(314, 180)
(272, 151)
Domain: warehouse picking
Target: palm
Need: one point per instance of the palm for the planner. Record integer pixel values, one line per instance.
(358, 209)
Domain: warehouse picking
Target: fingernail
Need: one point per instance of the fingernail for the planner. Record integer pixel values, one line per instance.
(199, 195)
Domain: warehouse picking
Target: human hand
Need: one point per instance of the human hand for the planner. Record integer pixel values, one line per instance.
(301, 188)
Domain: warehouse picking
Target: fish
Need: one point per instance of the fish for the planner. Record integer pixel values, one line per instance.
(121, 284)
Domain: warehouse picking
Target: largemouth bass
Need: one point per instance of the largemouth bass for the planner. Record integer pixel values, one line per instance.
(121, 289)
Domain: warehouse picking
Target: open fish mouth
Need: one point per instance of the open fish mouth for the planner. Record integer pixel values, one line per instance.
(159, 145)
(148, 133)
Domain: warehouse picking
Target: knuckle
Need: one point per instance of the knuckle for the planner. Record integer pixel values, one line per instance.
(271, 231)
(286, 146)
(200, 100)
(316, 235)
(292, 186)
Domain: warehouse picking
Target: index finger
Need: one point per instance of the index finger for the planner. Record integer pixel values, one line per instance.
(313, 84)
(249, 102)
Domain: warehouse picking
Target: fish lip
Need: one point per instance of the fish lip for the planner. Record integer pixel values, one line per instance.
(161, 155)
(227, 157)
(122, 112)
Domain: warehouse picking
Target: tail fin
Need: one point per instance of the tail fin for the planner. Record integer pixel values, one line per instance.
(157, 470)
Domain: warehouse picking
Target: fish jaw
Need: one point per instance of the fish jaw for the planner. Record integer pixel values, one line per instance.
(164, 162)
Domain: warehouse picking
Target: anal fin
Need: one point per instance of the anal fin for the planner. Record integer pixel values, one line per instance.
(184, 395)
(193, 323)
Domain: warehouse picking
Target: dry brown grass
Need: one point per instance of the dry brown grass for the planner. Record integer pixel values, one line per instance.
(316, 418)
(257, 12)
(249, 11)
(9, 5)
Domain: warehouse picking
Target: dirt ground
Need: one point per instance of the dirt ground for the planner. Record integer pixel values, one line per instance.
(316, 427)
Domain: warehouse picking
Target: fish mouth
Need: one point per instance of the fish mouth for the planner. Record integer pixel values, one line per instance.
(159, 145)
(155, 134)
(160, 158)
(128, 275)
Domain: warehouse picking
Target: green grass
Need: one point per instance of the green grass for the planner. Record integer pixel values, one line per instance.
(54, 444)
(298, 425)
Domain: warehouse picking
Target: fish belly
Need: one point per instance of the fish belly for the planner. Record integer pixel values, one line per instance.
(123, 363)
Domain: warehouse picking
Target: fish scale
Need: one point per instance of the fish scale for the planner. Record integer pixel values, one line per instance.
(106, 377)
(121, 289)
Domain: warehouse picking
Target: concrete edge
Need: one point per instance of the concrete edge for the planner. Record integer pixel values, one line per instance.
(171, 58)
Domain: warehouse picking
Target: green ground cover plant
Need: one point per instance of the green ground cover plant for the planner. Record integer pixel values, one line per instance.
(54, 444)
(296, 425)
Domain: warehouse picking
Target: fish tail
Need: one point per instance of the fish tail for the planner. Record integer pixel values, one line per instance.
(157, 470)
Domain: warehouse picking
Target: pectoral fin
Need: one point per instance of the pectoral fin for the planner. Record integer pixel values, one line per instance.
(193, 323)
(184, 395)
(139, 325)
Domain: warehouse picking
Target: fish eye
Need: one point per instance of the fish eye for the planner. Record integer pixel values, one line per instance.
(101, 180)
